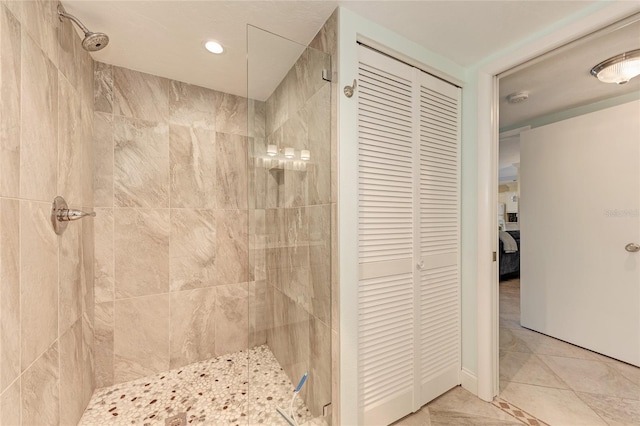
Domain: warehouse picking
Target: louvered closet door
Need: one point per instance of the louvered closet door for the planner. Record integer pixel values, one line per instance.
(438, 227)
(386, 340)
(409, 229)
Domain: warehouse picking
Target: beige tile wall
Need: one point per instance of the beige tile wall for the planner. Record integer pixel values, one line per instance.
(46, 281)
(172, 279)
(293, 221)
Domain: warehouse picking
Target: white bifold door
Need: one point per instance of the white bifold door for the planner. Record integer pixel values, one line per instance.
(409, 238)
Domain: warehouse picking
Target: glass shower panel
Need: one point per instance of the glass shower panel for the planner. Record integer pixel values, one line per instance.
(289, 231)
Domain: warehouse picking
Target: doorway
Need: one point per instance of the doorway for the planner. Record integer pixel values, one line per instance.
(551, 379)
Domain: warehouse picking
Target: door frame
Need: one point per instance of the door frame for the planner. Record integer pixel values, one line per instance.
(591, 20)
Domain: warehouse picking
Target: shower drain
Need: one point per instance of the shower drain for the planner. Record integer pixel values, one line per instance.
(177, 420)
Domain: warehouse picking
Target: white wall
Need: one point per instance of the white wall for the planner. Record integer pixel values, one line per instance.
(577, 282)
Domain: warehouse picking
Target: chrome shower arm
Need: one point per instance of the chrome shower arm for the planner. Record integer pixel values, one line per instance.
(63, 14)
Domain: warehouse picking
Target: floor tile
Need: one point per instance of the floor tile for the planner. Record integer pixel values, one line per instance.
(554, 406)
(529, 369)
(614, 411)
(592, 376)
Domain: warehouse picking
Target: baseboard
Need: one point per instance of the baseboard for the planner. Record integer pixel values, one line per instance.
(469, 381)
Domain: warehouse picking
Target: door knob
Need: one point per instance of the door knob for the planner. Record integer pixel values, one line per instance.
(632, 247)
(420, 265)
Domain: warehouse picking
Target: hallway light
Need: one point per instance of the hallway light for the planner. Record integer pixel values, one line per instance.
(618, 69)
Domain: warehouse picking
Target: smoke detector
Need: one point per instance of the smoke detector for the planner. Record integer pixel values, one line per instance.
(517, 97)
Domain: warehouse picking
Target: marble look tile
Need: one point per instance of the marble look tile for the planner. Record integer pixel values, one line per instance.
(192, 106)
(459, 406)
(542, 344)
(71, 375)
(629, 371)
(70, 143)
(318, 61)
(193, 167)
(40, 390)
(103, 159)
(277, 109)
(139, 95)
(15, 7)
(335, 281)
(592, 376)
(296, 131)
(614, 411)
(38, 281)
(141, 337)
(510, 321)
(192, 253)
(231, 114)
(10, 405)
(257, 313)
(104, 255)
(40, 19)
(527, 368)
(70, 278)
(320, 261)
(86, 153)
(104, 325)
(231, 246)
(419, 418)
(141, 163)
(10, 41)
(9, 292)
(296, 192)
(231, 318)
(509, 341)
(231, 171)
(326, 39)
(69, 43)
(103, 88)
(553, 406)
(319, 366)
(288, 337)
(88, 272)
(318, 118)
(39, 123)
(193, 322)
(297, 83)
(257, 118)
(88, 361)
(141, 244)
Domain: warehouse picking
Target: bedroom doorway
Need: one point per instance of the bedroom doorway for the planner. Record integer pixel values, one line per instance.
(546, 377)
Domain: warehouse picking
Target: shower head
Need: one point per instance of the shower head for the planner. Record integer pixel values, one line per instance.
(95, 41)
(92, 41)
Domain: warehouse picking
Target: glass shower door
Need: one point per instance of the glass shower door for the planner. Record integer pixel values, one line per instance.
(289, 231)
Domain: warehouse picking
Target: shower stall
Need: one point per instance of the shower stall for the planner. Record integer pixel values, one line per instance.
(213, 244)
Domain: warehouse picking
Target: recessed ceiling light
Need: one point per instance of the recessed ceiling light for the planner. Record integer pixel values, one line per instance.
(214, 47)
(618, 69)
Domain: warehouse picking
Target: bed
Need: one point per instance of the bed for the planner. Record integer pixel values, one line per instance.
(509, 262)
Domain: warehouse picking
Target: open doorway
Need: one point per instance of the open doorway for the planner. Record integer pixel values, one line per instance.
(567, 197)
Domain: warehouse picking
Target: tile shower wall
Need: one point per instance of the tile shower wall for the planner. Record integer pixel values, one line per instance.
(293, 222)
(46, 281)
(172, 279)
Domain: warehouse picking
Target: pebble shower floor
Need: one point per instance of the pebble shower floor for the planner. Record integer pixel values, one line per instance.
(211, 392)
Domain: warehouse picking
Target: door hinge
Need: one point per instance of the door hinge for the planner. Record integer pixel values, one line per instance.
(495, 256)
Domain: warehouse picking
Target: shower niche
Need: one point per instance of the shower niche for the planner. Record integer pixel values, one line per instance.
(289, 165)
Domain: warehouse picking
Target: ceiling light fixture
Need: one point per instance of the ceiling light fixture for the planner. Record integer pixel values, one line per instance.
(618, 69)
(214, 47)
(516, 98)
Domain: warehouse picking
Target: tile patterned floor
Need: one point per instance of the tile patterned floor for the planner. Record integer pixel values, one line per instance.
(559, 383)
(212, 392)
(460, 408)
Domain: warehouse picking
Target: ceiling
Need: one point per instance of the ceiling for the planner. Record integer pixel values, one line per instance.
(166, 37)
(560, 80)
